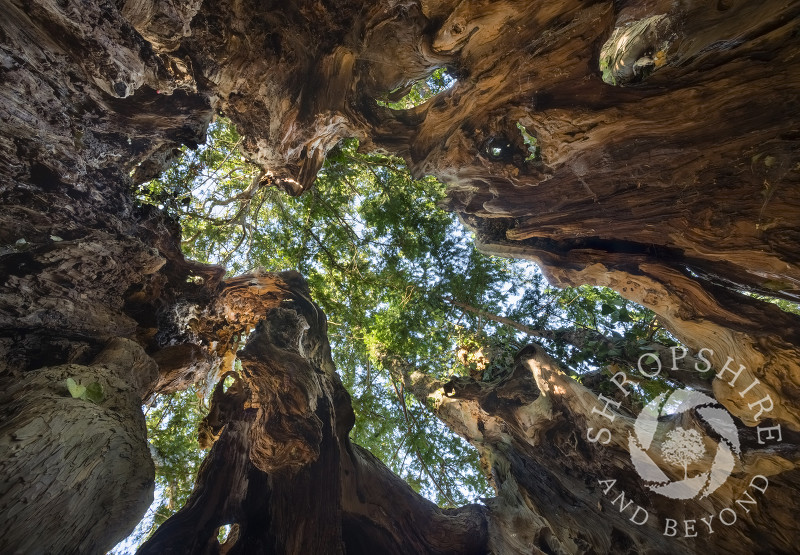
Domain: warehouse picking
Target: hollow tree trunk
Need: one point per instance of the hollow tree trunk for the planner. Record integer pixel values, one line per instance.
(284, 472)
(671, 178)
(666, 168)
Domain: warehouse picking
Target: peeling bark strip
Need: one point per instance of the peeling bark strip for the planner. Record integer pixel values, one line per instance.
(665, 167)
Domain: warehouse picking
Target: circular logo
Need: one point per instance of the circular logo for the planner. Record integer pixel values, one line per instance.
(681, 447)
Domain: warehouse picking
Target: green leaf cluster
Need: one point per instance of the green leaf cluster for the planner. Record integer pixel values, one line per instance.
(92, 392)
(531, 142)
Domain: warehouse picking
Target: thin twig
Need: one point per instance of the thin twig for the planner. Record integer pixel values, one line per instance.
(419, 456)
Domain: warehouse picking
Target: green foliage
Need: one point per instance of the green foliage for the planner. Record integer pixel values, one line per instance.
(605, 69)
(172, 434)
(77, 391)
(783, 304)
(624, 329)
(172, 422)
(92, 392)
(531, 142)
(207, 189)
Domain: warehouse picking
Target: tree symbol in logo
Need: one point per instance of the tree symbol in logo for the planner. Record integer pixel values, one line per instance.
(682, 448)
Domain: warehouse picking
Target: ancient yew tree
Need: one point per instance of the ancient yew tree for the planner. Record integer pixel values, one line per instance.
(651, 147)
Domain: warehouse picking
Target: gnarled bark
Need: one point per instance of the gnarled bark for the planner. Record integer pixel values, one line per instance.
(665, 166)
(286, 474)
(524, 422)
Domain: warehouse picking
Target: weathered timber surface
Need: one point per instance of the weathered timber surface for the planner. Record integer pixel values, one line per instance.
(676, 176)
(667, 168)
(524, 422)
(71, 460)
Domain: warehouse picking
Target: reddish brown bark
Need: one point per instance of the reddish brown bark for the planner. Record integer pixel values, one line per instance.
(286, 474)
(674, 181)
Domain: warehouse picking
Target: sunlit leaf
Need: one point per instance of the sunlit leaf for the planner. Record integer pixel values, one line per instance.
(77, 391)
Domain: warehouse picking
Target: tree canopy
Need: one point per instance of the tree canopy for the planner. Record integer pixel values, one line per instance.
(398, 277)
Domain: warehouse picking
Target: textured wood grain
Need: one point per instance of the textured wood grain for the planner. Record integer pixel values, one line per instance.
(75, 474)
(286, 474)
